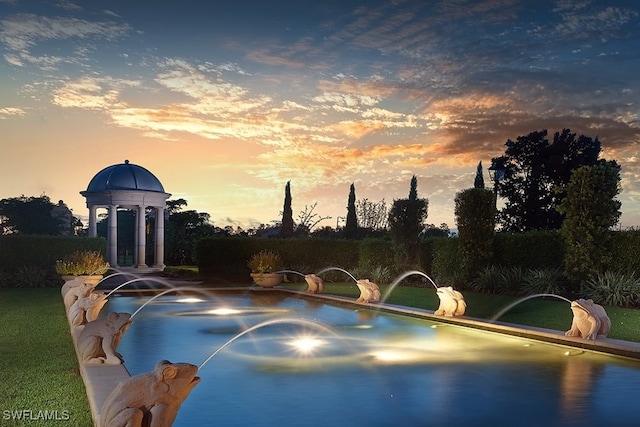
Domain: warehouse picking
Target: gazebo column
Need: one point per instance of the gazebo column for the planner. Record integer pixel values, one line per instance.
(93, 227)
(141, 246)
(159, 234)
(112, 236)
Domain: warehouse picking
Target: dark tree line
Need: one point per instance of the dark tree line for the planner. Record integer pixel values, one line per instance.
(535, 174)
(36, 215)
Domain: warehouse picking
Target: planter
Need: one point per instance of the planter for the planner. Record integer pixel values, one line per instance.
(267, 280)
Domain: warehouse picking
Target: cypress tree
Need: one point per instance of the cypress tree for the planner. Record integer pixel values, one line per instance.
(478, 182)
(287, 213)
(351, 226)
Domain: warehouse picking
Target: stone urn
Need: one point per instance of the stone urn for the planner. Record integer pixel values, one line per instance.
(267, 280)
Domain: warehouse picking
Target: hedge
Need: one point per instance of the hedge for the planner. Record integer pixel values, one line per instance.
(33, 257)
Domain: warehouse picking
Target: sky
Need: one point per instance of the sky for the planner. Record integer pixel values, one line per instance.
(225, 102)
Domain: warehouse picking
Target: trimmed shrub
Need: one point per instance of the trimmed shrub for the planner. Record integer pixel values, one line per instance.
(374, 253)
(227, 256)
(624, 247)
(446, 268)
(531, 250)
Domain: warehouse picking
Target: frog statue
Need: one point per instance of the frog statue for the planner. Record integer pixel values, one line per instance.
(316, 284)
(451, 302)
(82, 289)
(590, 321)
(98, 340)
(369, 291)
(150, 399)
(86, 308)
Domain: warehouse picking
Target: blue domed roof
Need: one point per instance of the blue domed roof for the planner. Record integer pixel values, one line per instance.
(124, 176)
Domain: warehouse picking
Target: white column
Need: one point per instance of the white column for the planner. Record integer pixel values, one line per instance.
(112, 236)
(141, 238)
(159, 249)
(134, 251)
(93, 227)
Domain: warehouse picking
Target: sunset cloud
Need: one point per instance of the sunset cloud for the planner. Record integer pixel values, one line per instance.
(324, 95)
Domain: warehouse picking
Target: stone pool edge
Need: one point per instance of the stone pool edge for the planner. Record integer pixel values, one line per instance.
(100, 380)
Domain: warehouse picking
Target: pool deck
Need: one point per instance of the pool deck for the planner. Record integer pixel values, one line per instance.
(100, 380)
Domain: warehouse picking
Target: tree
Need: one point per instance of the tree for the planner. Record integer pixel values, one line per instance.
(591, 209)
(406, 221)
(373, 216)
(307, 219)
(475, 217)
(413, 190)
(351, 225)
(536, 173)
(478, 182)
(286, 229)
(30, 215)
(183, 230)
(430, 230)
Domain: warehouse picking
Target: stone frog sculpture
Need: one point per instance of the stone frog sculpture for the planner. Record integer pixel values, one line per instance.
(369, 291)
(98, 340)
(451, 302)
(76, 281)
(150, 399)
(72, 294)
(590, 320)
(86, 308)
(316, 284)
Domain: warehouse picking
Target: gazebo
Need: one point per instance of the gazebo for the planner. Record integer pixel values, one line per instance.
(133, 187)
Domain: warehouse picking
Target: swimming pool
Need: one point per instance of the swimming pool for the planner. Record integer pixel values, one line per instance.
(315, 364)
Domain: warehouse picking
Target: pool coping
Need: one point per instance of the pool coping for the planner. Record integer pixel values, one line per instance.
(100, 380)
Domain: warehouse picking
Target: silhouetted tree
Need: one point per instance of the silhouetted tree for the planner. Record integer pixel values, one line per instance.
(430, 230)
(373, 216)
(307, 219)
(406, 221)
(351, 225)
(591, 209)
(286, 229)
(536, 174)
(478, 182)
(29, 215)
(413, 191)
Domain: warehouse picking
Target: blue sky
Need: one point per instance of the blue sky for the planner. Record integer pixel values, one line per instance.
(226, 103)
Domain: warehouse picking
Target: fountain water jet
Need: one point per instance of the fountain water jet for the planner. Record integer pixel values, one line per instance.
(401, 278)
(158, 295)
(268, 323)
(510, 306)
(324, 270)
(137, 279)
(289, 271)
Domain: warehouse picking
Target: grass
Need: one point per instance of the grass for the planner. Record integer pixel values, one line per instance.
(39, 368)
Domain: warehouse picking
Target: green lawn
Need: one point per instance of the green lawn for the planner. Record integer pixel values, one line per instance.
(40, 370)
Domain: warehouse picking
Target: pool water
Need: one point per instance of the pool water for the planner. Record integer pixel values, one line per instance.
(310, 363)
